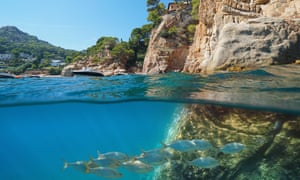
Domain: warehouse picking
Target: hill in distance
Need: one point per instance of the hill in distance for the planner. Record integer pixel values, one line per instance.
(14, 41)
(20, 51)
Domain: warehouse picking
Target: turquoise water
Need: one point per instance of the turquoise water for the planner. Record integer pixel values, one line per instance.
(36, 139)
(47, 121)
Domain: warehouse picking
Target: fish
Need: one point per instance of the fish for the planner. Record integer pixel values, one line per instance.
(181, 145)
(205, 162)
(137, 166)
(201, 145)
(105, 172)
(154, 157)
(232, 148)
(121, 157)
(105, 162)
(81, 166)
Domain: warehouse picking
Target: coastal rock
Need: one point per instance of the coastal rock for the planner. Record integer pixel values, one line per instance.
(231, 35)
(271, 144)
(244, 34)
(107, 67)
(169, 44)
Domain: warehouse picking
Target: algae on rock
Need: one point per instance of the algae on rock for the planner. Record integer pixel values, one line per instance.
(272, 143)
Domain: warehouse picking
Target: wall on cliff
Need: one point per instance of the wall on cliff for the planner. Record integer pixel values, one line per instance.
(231, 35)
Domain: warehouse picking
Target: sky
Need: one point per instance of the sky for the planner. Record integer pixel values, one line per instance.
(74, 24)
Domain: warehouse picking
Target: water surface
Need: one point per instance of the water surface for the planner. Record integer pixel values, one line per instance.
(47, 121)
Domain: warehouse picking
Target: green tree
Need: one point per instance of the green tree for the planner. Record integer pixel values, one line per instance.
(139, 40)
(122, 53)
(155, 11)
(195, 9)
(152, 3)
(103, 43)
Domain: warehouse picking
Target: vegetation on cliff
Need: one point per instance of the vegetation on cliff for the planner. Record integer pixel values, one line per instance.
(20, 51)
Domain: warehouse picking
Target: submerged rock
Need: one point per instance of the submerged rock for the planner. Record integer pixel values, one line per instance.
(272, 148)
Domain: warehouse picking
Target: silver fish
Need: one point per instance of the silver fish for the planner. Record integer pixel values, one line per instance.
(105, 172)
(105, 162)
(78, 165)
(154, 157)
(201, 144)
(137, 166)
(232, 148)
(182, 145)
(121, 157)
(205, 162)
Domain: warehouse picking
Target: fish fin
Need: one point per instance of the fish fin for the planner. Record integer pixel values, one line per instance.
(134, 158)
(98, 153)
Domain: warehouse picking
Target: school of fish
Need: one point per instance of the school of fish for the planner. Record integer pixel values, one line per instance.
(107, 165)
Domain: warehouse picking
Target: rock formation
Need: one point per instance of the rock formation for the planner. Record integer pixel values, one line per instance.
(232, 34)
(271, 142)
(107, 67)
(167, 50)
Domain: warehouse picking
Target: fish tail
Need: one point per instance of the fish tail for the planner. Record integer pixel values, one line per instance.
(66, 164)
(87, 167)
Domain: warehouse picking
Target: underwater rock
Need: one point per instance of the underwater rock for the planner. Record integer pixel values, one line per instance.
(273, 149)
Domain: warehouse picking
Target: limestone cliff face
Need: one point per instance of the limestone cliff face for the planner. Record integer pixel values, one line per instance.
(233, 35)
(242, 34)
(167, 50)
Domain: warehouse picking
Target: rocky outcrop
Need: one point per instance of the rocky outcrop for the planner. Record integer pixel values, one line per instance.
(232, 35)
(271, 142)
(243, 34)
(107, 67)
(169, 43)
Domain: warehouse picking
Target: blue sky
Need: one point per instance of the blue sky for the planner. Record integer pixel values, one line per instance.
(74, 24)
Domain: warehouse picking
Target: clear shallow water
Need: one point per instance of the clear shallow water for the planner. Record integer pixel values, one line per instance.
(46, 121)
(275, 88)
(35, 140)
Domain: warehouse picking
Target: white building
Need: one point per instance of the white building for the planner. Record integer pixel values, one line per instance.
(57, 62)
(6, 57)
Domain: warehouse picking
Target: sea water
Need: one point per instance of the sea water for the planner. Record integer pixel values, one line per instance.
(45, 122)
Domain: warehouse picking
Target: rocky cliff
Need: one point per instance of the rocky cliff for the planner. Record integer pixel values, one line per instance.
(169, 43)
(231, 35)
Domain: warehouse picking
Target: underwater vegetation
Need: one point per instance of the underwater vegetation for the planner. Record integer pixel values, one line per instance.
(251, 145)
(107, 165)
